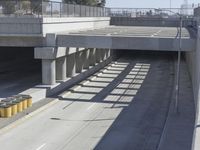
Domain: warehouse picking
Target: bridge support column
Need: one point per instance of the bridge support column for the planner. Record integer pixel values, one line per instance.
(79, 62)
(98, 55)
(104, 54)
(61, 68)
(92, 57)
(108, 53)
(71, 65)
(86, 59)
(48, 71)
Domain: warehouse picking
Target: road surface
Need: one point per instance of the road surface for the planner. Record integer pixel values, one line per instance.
(123, 107)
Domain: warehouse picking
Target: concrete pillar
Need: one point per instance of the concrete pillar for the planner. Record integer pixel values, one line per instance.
(108, 53)
(92, 57)
(103, 53)
(86, 57)
(48, 71)
(98, 55)
(71, 65)
(61, 69)
(79, 62)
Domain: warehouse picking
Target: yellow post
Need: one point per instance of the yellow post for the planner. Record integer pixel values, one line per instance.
(1, 111)
(29, 102)
(19, 107)
(14, 108)
(24, 104)
(6, 111)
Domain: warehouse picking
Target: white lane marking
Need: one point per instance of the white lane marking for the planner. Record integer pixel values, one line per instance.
(91, 106)
(156, 33)
(40, 147)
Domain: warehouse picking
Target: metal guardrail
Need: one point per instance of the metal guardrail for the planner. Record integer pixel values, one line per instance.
(38, 8)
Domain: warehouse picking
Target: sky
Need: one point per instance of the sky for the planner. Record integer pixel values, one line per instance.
(147, 3)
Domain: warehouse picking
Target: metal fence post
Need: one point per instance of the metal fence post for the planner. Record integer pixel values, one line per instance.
(74, 10)
(51, 8)
(60, 9)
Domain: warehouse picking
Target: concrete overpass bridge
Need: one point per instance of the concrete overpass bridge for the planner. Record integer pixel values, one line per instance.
(77, 58)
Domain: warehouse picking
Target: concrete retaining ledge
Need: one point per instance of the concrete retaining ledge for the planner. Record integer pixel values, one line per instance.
(42, 91)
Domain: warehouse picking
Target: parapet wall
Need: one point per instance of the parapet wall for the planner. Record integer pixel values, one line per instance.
(42, 26)
(155, 22)
(56, 25)
(193, 61)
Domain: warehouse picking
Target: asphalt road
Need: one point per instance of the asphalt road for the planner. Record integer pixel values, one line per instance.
(136, 31)
(123, 107)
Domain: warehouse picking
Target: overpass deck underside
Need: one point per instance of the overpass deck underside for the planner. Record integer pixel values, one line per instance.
(135, 38)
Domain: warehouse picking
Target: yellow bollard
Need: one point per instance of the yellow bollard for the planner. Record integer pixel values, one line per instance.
(28, 99)
(19, 107)
(14, 108)
(6, 111)
(1, 110)
(24, 104)
(19, 101)
(29, 104)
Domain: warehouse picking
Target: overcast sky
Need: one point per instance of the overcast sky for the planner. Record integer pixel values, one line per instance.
(147, 3)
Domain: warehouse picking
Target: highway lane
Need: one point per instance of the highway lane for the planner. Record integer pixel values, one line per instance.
(124, 106)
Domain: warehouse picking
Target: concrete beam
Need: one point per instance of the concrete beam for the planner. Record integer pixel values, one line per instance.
(49, 52)
(122, 42)
(17, 40)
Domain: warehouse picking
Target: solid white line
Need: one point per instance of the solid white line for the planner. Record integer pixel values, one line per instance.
(90, 106)
(39, 148)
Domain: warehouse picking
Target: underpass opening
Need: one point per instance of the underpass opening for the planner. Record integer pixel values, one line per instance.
(134, 96)
(19, 70)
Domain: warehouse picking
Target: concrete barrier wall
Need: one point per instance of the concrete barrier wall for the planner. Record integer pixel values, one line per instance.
(155, 22)
(193, 61)
(50, 25)
(56, 25)
(12, 25)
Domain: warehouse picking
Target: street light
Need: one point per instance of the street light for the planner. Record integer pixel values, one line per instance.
(178, 59)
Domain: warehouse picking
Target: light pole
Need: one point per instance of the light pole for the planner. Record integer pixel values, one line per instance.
(177, 88)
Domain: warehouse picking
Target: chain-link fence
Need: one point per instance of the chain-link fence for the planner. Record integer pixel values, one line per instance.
(37, 8)
(151, 12)
(57, 9)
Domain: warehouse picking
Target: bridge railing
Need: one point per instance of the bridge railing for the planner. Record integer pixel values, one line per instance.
(58, 9)
(151, 12)
(38, 8)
